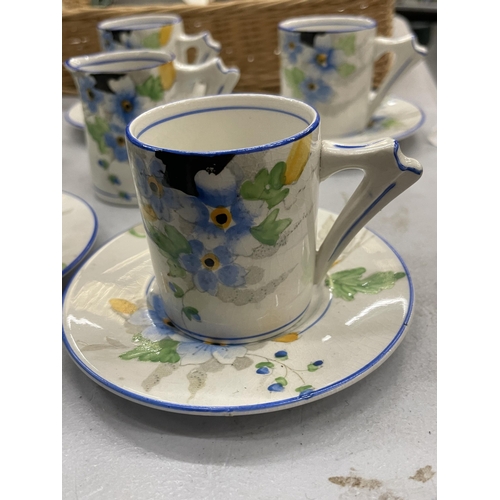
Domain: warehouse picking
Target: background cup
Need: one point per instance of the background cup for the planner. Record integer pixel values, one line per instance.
(328, 62)
(228, 192)
(156, 31)
(117, 87)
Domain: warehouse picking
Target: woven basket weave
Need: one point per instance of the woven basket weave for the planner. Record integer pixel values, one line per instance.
(246, 29)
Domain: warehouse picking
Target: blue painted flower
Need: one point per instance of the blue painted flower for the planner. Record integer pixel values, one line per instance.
(127, 40)
(220, 216)
(209, 268)
(323, 58)
(195, 352)
(158, 200)
(315, 90)
(191, 351)
(292, 46)
(276, 388)
(155, 319)
(108, 42)
(124, 103)
(91, 96)
(115, 139)
(263, 370)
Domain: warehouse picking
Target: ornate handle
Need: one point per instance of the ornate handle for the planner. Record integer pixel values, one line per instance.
(215, 77)
(407, 53)
(206, 47)
(388, 172)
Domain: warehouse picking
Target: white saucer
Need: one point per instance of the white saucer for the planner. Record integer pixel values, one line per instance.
(395, 118)
(74, 116)
(79, 231)
(133, 353)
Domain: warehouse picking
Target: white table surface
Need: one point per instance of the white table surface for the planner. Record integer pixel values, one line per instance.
(376, 439)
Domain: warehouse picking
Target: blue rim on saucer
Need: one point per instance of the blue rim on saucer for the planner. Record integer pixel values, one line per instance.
(86, 247)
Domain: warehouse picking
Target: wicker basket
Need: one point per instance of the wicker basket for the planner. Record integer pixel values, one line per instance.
(246, 29)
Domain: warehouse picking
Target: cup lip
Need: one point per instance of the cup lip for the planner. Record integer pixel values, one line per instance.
(297, 24)
(151, 58)
(124, 23)
(217, 103)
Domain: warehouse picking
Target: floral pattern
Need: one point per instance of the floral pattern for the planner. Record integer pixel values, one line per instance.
(211, 268)
(157, 340)
(152, 38)
(204, 237)
(110, 103)
(310, 70)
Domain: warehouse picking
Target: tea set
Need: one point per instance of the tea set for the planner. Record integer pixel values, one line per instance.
(236, 294)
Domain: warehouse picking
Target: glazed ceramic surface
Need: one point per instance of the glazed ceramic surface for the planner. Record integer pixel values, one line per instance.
(230, 209)
(79, 231)
(327, 61)
(74, 116)
(394, 118)
(117, 87)
(156, 31)
(116, 330)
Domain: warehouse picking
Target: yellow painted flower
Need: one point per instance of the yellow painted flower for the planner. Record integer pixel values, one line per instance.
(289, 337)
(149, 213)
(167, 75)
(122, 306)
(165, 34)
(297, 159)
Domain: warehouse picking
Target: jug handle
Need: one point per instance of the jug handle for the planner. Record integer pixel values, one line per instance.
(206, 47)
(387, 173)
(407, 52)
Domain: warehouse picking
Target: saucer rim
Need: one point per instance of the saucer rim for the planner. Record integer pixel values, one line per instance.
(71, 121)
(86, 249)
(257, 408)
(397, 137)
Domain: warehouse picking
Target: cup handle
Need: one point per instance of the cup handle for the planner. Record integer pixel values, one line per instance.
(388, 172)
(206, 47)
(214, 75)
(407, 53)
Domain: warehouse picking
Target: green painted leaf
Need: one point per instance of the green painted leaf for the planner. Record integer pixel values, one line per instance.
(171, 241)
(180, 243)
(267, 186)
(312, 368)
(135, 233)
(152, 41)
(163, 351)
(347, 44)
(97, 130)
(389, 122)
(281, 380)
(151, 88)
(178, 292)
(174, 268)
(346, 284)
(294, 76)
(346, 70)
(277, 175)
(263, 364)
(270, 229)
(191, 313)
(303, 388)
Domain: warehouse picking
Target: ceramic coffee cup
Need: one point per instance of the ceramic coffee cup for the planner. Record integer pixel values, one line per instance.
(156, 31)
(228, 192)
(115, 88)
(328, 62)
